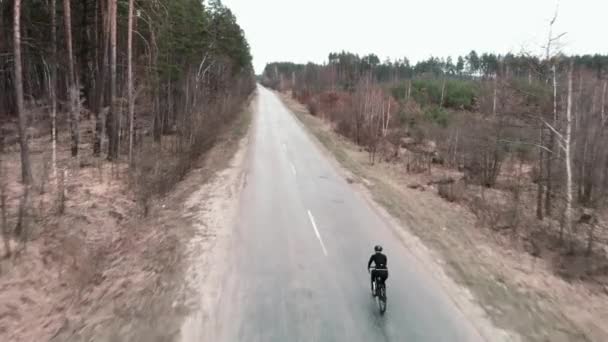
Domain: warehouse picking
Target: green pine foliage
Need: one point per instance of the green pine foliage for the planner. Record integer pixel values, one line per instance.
(458, 94)
(173, 39)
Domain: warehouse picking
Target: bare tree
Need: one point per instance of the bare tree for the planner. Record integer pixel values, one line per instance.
(101, 60)
(546, 156)
(131, 100)
(52, 84)
(540, 182)
(3, 210)
(564, 142)
(550, 57)
(26, 169)
(567, 148)
(73, 89)
(112, 119)
(4, 223)
(494, 97)
(386, 118)
(603, 108)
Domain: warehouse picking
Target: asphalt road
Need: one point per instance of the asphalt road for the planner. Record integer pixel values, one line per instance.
(301, 245)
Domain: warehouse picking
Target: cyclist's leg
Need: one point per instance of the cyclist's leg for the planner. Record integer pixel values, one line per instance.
(372, 281)
(383, 276)
(380, 287)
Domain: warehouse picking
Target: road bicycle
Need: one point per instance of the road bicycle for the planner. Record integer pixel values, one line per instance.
(379, 289)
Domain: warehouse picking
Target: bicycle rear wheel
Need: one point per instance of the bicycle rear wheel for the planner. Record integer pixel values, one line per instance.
(382, 299)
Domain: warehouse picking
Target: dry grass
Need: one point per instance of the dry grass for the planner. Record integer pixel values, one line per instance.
(99, 270)
(520, 292)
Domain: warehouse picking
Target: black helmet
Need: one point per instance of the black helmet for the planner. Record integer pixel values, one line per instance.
(378, 248)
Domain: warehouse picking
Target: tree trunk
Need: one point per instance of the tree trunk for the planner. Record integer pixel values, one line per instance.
(112, 119)
(603, 109)
(552, 144)
(86, 72)
(540, 188)
(130, 78)
(455, 153)
(442, 94)
(73, 91)
(4, 223)
(582, 182)
(26, 169)
(53, 85)
(21, 227)
(103, 37)
(3, 210)
(549, 176)
(388, 118)
(567, 154)
(495, 95)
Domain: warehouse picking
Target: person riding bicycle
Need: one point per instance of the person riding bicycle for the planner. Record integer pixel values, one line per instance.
(380, 261)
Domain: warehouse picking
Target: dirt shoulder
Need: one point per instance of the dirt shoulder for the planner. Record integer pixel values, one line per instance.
(213, 207)
(100, 271)
(493, 286)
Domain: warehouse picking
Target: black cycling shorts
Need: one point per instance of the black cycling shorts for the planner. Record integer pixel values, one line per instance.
(382, 274)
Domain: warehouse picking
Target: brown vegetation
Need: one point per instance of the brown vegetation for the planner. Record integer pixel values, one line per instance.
(552, 177)
(520, 276)
(513, 139)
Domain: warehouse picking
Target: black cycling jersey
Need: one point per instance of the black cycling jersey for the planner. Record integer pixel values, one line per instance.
(379, 261)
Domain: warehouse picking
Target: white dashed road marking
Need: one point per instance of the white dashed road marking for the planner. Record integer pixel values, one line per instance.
(314, 226)
(293, 169)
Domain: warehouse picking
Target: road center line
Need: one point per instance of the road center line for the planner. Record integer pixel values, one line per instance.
(293, 169)
(314, 226)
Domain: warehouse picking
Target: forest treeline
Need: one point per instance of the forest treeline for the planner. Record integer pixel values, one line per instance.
(120, 80)
(476, 114)
(89, 56)
(346, 68)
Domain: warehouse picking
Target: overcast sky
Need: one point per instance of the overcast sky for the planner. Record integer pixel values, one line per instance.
(307, 30)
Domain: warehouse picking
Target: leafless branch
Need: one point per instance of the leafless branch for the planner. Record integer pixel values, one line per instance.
(527, 144)
(557, 133)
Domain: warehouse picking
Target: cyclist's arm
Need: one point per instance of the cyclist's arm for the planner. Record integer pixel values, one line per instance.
(369, 263)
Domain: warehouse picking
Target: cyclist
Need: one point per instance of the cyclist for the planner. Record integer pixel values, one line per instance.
(380, 270)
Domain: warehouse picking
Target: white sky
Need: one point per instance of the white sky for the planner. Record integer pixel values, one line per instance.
(308, 30)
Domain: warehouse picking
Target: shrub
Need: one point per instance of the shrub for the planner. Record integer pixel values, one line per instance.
(312, 106)
(398, 91)
(438, 116)
(426, 92)
(410, 113)
(460, 94)
(452, 191)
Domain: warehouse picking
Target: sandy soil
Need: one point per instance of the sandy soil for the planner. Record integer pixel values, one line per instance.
(492, 285)
(214, 208)
(72, 261)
